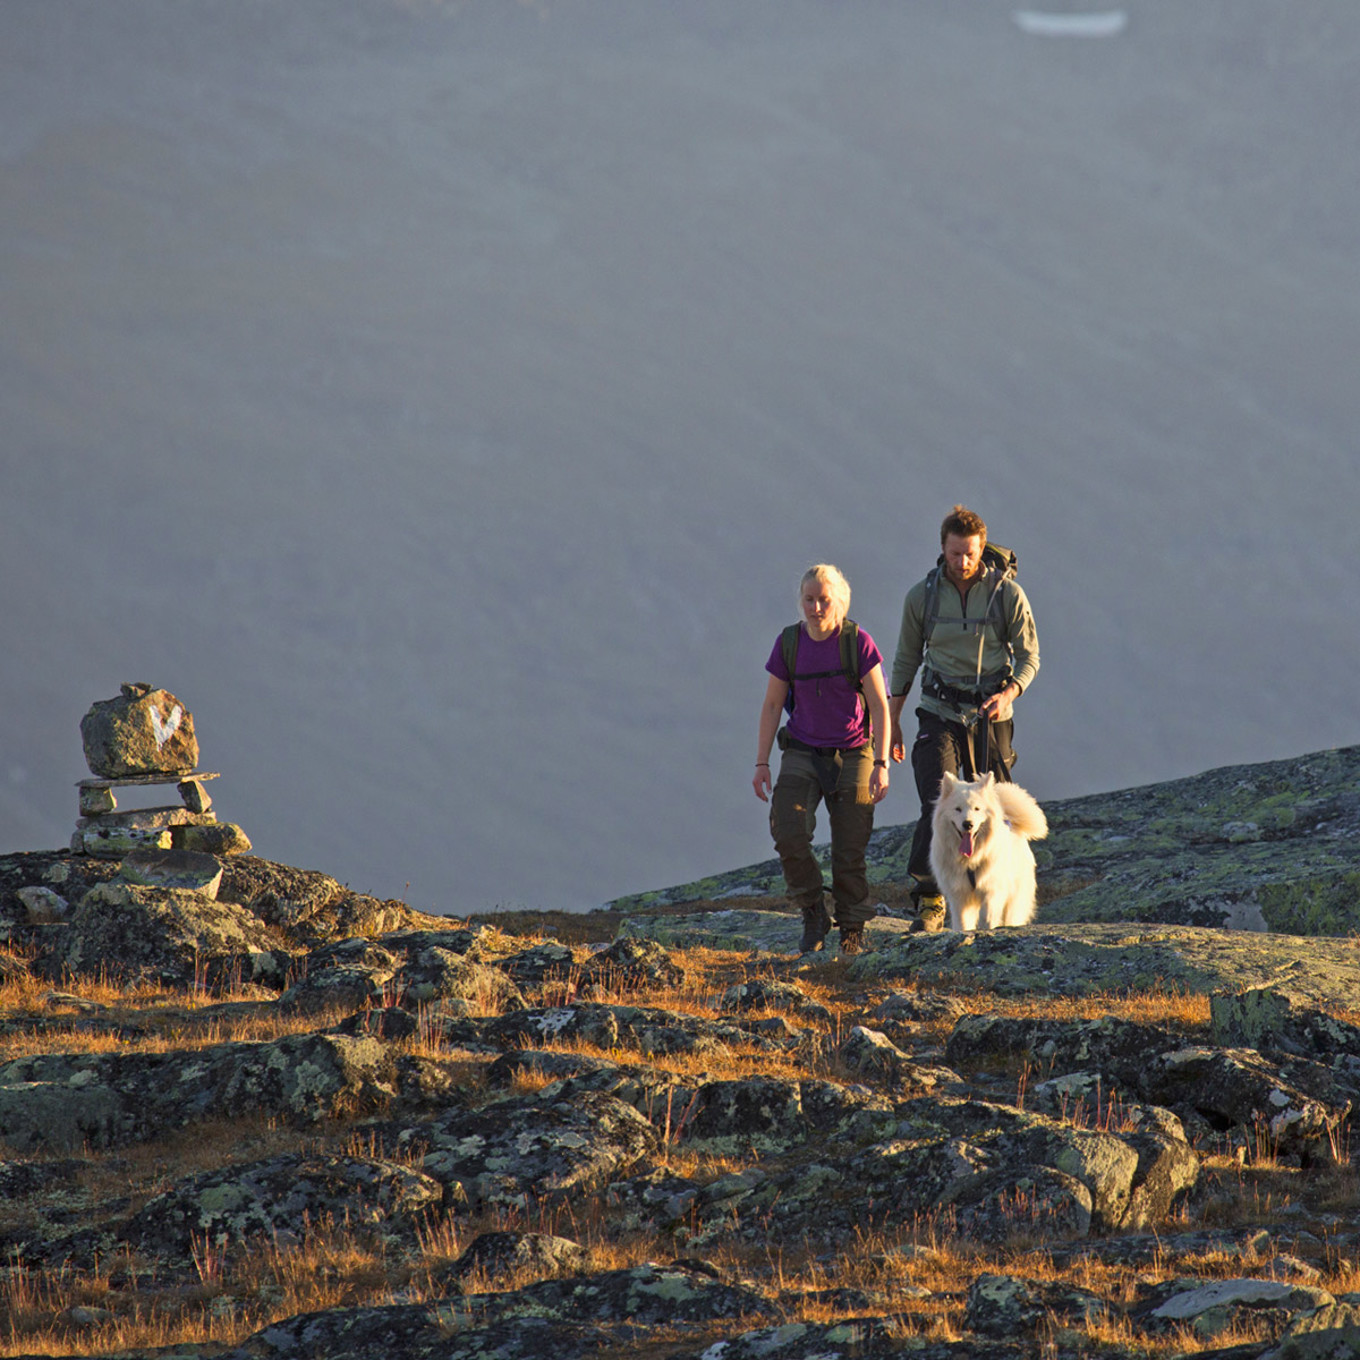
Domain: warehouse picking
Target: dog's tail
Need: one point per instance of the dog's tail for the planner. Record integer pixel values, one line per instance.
(1025, 816)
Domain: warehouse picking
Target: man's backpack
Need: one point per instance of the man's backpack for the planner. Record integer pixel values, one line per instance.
(849, 667)
(1001, 565)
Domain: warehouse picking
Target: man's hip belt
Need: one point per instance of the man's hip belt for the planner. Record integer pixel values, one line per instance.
(958, 696)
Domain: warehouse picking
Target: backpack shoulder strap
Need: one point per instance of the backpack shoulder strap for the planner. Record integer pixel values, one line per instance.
(788, 643)
(850, 652)
(849, 640)
(788, 646)
(850, 664)
(931, 604)
(1004, 563)
(1000, 562)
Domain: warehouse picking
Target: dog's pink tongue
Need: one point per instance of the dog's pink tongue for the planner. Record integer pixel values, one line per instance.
(965, 843)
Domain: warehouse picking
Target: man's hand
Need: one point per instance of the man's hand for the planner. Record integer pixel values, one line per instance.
(992, 707)
(897, 746)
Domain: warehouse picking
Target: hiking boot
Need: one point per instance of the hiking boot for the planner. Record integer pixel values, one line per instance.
(816, 924)
(930, 913)
(852, 940)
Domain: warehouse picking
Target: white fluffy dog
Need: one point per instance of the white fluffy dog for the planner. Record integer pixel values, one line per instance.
(979, 851)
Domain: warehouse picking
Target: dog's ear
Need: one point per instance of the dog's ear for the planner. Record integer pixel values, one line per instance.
(988, 780)
(948, 784)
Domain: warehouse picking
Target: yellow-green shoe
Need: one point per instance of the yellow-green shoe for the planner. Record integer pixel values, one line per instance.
(930, 914)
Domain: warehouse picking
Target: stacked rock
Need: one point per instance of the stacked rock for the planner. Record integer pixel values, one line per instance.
(145, 736)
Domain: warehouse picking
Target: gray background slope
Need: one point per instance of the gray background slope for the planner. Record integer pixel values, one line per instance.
(444, 399)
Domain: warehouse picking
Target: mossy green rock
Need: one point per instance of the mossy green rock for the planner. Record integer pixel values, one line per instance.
(1274, 846)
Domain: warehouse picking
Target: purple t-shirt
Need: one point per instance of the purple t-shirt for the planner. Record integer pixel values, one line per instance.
(826, 712)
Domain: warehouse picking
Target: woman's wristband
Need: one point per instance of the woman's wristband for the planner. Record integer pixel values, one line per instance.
(762, 764)
(884, 763)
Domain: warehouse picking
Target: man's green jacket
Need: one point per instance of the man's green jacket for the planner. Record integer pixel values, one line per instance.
(1009, 642)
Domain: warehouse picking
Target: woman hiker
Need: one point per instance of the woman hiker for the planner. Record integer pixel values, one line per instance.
(828, 674)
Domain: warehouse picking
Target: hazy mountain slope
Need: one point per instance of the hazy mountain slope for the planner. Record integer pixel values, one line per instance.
(444, 399)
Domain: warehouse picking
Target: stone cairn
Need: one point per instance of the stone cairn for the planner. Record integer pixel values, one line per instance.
(145, 736)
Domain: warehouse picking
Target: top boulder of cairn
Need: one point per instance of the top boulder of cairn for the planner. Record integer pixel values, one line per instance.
(143, 731)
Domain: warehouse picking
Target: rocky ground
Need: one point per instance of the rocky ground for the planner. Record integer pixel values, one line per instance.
(290, 1120)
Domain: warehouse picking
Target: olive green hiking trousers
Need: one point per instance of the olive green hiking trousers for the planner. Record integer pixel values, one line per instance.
(841, 780)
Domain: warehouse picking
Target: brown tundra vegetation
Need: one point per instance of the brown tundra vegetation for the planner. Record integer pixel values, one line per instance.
(285, 1120)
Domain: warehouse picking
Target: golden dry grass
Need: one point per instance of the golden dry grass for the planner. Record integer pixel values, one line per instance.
(123, 1304)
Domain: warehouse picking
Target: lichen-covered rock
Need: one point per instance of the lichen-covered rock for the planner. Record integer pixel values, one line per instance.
(278, 893)
(918, 1008)
(347, 975)
(210, 838)
(1274, 1020)
(173, 869)
(629, 965)
(640, 1028)
(174, 936)
(647, 1295)
(305, 1077)
(436, 974)
(540, 963)
(590, 1024)
(1109, 1044)
(1272, 846)
(565, 1319)
(524, 1063)
(126, 833)
(425, 1331)
(873, 1055)
(1212, 1308)
(1006, 1306)
(655, 1200)
(1217, 1089)
(282, 1201)
(762, 994)
(57, 871)
(341, 987)
(43, 905)
(469, 942)
(62, 1101)
(55, 1116)
(313, 908)
(1238, 1089)
(516, 1152)
(1325, 1333)
(965, 1153)
(387, 1023)
(759, 1116)
(143, 731)
(517, 1256)
(665, 1101)
(775, 932)
(864, 1338)
(1079, 959)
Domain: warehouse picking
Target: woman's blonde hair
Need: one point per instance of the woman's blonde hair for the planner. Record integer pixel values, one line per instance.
(837, 587)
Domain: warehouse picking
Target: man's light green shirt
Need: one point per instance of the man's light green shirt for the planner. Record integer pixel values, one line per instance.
(1009, 640)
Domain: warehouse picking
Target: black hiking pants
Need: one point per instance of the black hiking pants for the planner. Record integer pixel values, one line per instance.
(951, 747)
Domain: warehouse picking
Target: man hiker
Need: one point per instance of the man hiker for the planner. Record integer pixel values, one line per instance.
(968, 630)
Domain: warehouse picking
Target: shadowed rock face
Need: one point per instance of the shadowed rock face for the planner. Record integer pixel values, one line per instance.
(446, 1075)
